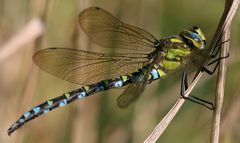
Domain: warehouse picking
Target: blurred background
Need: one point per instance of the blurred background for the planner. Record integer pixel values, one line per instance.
(97, 119)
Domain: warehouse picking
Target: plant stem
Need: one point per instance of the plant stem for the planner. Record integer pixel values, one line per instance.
(230, 9)
(219, 96)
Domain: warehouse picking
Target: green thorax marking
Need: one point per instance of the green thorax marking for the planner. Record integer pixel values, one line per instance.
(174, 54)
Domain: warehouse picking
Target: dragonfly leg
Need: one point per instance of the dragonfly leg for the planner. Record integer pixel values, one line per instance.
(217, 61)
(217, 48)
(214, 53)
(184, 87)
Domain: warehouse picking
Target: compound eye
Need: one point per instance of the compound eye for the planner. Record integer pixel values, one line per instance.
(195, 37)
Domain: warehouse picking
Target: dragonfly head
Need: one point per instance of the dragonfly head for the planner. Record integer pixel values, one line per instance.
(194, 38)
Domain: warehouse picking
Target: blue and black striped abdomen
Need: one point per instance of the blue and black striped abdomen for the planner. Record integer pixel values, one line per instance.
(67, 98)
(80, 93)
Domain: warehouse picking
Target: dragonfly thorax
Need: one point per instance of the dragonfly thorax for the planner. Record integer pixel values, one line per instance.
(194, 38)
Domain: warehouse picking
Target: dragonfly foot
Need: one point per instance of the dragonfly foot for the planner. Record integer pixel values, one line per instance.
(200, 101)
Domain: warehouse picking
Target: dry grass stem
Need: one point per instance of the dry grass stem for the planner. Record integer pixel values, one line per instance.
(230, 121)
(231, 7)
(220, 90)
(28, 33)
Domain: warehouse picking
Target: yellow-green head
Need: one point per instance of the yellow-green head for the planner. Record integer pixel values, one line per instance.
(194, 38)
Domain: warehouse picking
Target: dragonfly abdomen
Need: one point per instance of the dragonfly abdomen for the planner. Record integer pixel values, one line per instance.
(67, 98)
(82, 92)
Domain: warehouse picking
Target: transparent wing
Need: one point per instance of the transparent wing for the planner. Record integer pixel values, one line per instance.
(133, 91)
(85, 67)
(107, 31)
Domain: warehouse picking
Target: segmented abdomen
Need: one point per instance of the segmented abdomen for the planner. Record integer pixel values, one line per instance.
(80, 93)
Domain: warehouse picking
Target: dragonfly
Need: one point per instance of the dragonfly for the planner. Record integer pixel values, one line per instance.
(140, 59)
